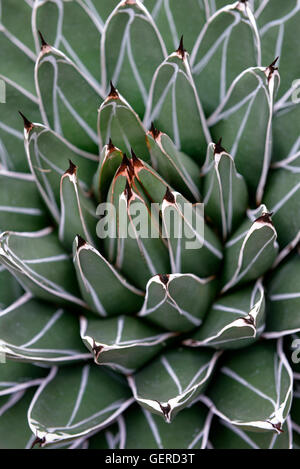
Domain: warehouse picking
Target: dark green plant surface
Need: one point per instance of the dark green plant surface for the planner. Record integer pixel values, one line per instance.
(142, 342)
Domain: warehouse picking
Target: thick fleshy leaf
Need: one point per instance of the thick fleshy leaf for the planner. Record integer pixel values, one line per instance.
(250, 251)
(16, 377)
(113, 295)
(35, 331)
(139, 429)
(193, 246)
(10, 289)
(117, 120)
(124, 343)
(68, 98)
(131, 50)
(284, 299)
(282, 196)
(110, 160)
(177, 168)
(173, 381)
(178, 302)
(12, 155)
(253, 390)
(235, 320)
(224, 435)
(21, 207)
(40, 264)
(75, 401)
(224, 190)
(78, 211)
(48, 155)
(175, 108)
(226, 45)
(278, 26)
(286, 142)
(244, 120)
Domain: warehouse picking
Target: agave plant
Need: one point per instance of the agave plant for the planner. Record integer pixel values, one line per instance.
(142, 341)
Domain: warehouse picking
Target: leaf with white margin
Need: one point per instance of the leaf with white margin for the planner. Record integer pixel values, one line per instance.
(234, 321)
(224, 190)
(254, 388)
(76, 401)
(34, 331)
(14, 430)
(286, 141)
(41, 265)
(78, 211)
(110, 160)
(68, 98)
(124, 343)
(178, 302)
(224, 435)
(119, 121)
(278, 28)
(16, 377)
(21, 208)
(193, 246)
(283, 299)
(227, 44)
(175, 108)
(173, 19)
(48, 155)
(189, 430)
(131, 50)
(113, 294)
(244, 120)
(177, 168)
(250, 251)
(12, 155)
(173, 381)
(282, 196)
(10, 289)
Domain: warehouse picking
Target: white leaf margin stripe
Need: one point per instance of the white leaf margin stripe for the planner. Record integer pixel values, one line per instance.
(177, 401)
(53, 437)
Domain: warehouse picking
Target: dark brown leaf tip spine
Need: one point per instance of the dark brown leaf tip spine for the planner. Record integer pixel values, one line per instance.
(181, 50)
(249, 320)
(110, 146)
(169, 197)
(113, 94)
(166, 410)
(97, 349)
(72, 169)
(218, 147)
(128, 191)
(38, 441)
(80, 242)
(154, 132)
(164, 278)
(271, 69)
(136, 162)
(45, 47)
(27, 124)
(265, 218)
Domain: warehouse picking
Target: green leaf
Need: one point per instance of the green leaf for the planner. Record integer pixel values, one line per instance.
(131, 50)
(177, 168)
(172, 301)
(124, 343)
(251, 250)
(48, 155)
(224, 435)
(40, 264)
(35, 331)
(110, 160)
(75, 401)
(117, 120)
(21, 208)
(253, 390)
(235, 320)
(10, 289)
(244, 120)
(284, 299)
(193, 246)
(173, 381)
(175, 108)
(68, 99)
(113, 295)
(16, 377)
(286, 143)
(78, 211)
(227, 44)
(224, 190)
(189, 430)
(282, 197)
